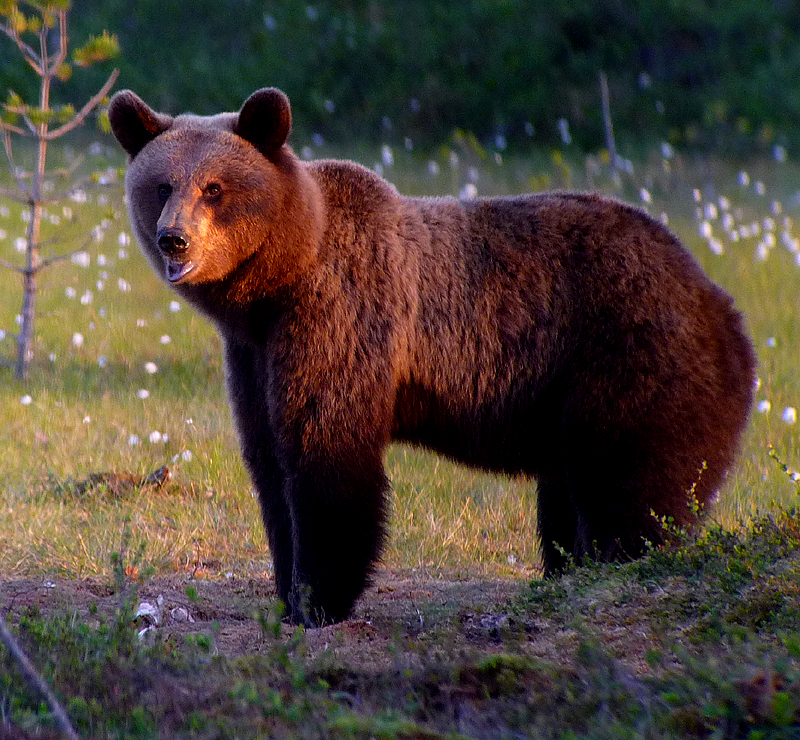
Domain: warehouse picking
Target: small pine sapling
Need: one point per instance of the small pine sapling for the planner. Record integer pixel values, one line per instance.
(47, 55)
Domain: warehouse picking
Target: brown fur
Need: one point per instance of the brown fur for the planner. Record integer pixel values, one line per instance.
(566, 337)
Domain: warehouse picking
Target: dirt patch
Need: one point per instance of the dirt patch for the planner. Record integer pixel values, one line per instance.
(402, 618)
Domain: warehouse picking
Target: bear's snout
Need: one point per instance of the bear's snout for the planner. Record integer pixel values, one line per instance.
(172, 241)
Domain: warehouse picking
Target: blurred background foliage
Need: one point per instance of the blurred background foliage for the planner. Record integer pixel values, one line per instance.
(703, 73)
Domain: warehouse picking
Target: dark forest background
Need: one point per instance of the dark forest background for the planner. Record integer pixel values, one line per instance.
(704, 73)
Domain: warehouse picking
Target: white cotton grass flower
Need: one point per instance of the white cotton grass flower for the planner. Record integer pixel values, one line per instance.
(644, 195)
(155, 437)
(123, 239)
(142, 393)
(133, 440)
(87, 298)
(87, 419)
(165, 339)
(789, 415)
(174, 307)
(123, 285)
(187, 456)
(102, 361)
(771, 342)
(20, 244)
(70, 292)
(151, 368)
(764, 407)
(82, 259)
(77, 339)
(468, 192)
(26, 400)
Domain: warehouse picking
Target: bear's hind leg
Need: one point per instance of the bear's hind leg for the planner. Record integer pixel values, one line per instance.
(557, 523)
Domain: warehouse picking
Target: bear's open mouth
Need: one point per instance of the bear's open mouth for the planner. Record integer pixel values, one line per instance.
(177, 270)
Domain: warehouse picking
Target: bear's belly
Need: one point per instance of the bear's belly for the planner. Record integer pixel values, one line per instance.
(499, 439)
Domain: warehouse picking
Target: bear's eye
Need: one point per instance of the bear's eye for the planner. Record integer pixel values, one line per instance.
(213, 190)
(164, 191)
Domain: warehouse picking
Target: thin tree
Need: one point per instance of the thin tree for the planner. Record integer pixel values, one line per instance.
(48, 56)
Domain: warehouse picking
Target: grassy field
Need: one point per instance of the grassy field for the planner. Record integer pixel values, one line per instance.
(126, 379)
(455, 640)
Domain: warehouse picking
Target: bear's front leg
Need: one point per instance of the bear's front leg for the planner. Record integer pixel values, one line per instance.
(247, 381)
(338, 509)
(332, 430)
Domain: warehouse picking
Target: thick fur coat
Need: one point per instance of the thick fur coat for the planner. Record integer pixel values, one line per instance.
(565, 337)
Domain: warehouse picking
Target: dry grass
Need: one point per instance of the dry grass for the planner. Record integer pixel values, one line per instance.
(84, 410)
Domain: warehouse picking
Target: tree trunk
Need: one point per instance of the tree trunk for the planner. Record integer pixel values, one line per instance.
(25, 338)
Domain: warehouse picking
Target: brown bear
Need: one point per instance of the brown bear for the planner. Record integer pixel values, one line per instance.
(565, 337)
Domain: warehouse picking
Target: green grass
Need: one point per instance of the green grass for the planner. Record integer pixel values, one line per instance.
(719, 614)
(82, 415)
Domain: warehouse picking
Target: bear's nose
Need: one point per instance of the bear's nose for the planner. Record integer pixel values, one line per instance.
(172, 241)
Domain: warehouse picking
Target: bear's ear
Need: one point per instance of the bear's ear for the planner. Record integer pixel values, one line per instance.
(265, 120)
(133, 122)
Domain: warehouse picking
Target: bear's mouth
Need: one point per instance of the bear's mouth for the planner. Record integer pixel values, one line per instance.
(177, 269)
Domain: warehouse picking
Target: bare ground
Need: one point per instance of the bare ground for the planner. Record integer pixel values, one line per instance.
(437, 615)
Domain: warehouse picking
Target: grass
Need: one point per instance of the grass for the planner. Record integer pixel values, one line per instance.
(721, 660)
(85, 415)
(698, 640)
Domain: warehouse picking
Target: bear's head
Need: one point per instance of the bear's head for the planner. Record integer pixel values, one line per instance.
(215, 198)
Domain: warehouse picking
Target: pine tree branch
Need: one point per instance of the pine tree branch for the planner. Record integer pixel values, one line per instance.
(35, 681)
(83, 112)
(31, 57)
(11, 128)
(86, 182)
(11, 165)
(14, 268)
(62, 43)
(14, 195)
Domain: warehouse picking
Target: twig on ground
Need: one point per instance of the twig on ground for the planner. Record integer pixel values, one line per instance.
(35, 681)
